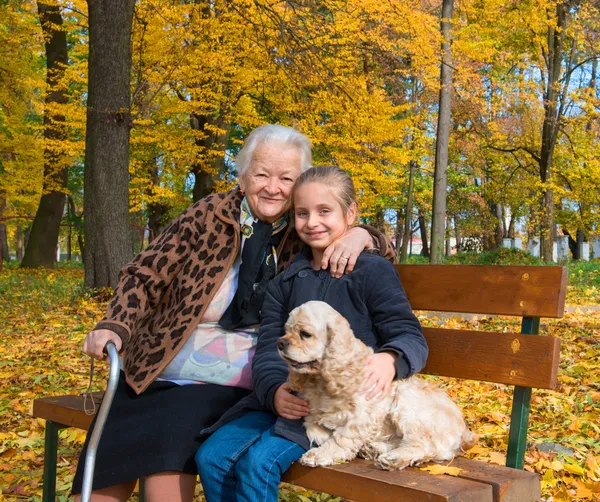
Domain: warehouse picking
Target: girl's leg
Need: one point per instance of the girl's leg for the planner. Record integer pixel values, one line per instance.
(117, 493)
(259, 471)
(171, 486)
(217, 457)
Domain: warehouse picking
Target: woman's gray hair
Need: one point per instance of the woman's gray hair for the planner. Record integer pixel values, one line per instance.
(273, 133)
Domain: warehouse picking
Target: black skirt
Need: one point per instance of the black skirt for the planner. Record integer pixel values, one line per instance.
(155, 431)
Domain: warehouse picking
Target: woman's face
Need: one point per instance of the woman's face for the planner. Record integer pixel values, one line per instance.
(269, 179)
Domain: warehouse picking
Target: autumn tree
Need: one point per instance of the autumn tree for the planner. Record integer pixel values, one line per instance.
(21, 106)
(438, 225)
(108, 243)
(41, 246)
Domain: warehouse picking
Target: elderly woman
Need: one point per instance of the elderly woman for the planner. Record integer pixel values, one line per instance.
(185, 313)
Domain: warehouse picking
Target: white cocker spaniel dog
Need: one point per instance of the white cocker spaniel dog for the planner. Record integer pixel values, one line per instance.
(416, 422)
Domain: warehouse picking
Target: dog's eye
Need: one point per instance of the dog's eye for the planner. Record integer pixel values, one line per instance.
(305, 335)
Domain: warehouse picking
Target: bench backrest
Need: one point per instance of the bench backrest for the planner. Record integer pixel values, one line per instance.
(510, 358)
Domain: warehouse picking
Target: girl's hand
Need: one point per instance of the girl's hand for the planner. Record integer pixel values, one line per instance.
(381, 370)
(95, 341)
(289, 406)
(341, 255)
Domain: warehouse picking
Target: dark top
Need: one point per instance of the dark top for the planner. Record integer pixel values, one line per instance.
(371, 298)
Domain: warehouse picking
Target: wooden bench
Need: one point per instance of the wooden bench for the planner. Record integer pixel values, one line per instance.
(517, 359)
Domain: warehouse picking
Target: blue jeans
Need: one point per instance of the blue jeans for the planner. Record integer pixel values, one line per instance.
(244, 460)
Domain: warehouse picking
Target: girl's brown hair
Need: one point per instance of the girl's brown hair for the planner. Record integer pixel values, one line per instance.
(334, 177)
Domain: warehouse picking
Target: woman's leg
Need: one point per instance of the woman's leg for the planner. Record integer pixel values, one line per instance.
(171, 486)
(259, 471)
(118, 493)
(217, 457)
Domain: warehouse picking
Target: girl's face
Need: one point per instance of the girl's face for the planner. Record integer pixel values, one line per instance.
(319, 217)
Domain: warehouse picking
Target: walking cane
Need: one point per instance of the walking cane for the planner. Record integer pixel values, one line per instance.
(90, 456)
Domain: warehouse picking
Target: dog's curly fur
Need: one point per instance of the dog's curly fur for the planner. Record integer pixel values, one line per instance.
(416, 422)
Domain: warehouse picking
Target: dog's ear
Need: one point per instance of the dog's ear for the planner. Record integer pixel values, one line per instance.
(343, 355)
(339, 337)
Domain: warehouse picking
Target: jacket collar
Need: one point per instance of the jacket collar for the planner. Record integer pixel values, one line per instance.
(301, 262)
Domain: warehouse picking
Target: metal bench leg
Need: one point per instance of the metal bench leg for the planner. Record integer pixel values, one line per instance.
(50, 455)
(519, 423)
(519, 420)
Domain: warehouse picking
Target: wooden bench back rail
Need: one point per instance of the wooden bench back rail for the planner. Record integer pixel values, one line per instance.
(517, 359)
(511, 359)
(482, 289)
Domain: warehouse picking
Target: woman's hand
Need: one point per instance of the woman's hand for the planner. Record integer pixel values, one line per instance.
(96, 340)
(289, 406)
(381, 370)
(342, 254)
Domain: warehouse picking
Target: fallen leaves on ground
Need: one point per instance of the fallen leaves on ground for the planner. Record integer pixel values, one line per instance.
(45, 316)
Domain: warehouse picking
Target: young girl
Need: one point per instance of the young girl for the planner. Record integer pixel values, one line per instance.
(244, 460)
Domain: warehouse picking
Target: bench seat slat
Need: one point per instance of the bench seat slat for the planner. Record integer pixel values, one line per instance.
(65, 410)
(508, 485)
(363, 482)
(512, 359)
(481, 289)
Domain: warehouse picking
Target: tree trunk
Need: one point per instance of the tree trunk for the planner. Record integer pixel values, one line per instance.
(552, 115)
(4, 252)
(19, 242)
(70, 244)
(580, 241)
(423, 229)
(76, 221)
(379, 220)
(398, 233)
(137, 232)
(406, 237)
(156, 210)
(572, 244)
(495, 241)
(41, 247)
(511, 227)
(108, 242)
(205, 172)
(457, 235)
(440, 182)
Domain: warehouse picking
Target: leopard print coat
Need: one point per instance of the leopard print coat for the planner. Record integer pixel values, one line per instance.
(163, 292)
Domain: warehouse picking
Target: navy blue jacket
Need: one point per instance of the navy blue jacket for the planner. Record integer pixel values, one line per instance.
(371, 298)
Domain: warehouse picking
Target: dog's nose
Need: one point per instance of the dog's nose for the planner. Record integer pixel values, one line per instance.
(282, 343)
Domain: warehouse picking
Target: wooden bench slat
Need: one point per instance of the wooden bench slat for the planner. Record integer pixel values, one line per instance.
(508, 485)
(65, 410)
(481, 289)
(362, 481)
(512, 359)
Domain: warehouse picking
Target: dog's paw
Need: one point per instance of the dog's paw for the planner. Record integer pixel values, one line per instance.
(316, 458)
(372, 450)
(392, 462)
